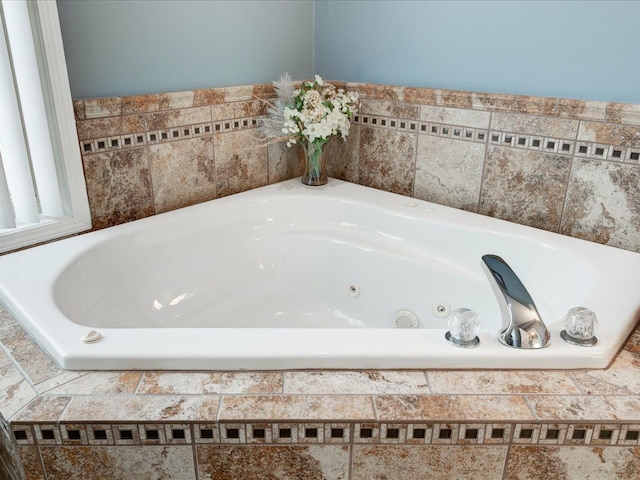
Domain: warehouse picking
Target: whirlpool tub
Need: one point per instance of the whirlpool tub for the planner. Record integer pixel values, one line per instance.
(289, 276)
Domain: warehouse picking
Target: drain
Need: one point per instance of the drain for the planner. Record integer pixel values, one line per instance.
(353, 289)
(405, 319)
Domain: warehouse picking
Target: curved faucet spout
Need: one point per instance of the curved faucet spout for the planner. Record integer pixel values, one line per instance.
(522, 326)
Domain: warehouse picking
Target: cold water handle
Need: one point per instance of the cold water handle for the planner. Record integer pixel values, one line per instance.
(522, 326)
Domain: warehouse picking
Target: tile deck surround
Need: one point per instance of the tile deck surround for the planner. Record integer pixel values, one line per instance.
(322, 420)
(569, 166)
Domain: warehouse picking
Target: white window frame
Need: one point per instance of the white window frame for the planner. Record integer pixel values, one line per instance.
(57, 92)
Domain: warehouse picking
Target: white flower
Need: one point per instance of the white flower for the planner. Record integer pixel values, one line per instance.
(319, 80)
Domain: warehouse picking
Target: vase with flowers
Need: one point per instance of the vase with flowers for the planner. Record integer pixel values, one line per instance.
(309, 115)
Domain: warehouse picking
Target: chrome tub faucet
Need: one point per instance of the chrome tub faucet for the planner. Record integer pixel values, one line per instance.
(522, 326)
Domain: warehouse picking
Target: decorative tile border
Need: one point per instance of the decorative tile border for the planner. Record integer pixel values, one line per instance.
(343, 433)
(152, 137)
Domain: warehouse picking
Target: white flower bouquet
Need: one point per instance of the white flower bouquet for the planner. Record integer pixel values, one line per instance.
(310, 115)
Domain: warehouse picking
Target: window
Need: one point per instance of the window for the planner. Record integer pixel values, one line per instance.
(42, 189)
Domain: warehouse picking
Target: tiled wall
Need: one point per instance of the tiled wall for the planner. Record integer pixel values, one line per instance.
(567, 166)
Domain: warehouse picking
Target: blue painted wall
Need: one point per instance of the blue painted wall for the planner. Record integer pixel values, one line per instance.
(576, 48)
(573, 49)
(133, 47)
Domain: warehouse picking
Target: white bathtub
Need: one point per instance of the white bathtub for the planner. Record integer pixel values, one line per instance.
(289, 276)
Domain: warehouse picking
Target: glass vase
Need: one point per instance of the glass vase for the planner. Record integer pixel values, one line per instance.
(314, 170)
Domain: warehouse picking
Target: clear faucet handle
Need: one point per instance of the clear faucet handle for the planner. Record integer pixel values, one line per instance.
(580, 325)
(463, 328)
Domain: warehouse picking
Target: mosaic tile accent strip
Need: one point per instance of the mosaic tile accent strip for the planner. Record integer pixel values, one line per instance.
(275, 433)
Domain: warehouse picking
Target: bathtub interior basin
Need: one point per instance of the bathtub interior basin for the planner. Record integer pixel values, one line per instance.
(289, 276)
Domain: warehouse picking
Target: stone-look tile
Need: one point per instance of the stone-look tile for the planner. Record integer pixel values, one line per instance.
(290, 407)
(387, 108)
(149, 462)
(110, 126)
(240, 163)
(178, 118)
(33, 361)
(225, 111)
(60, 377)
(592, 386)
(43, 409)
(141, 408)
(4, 359)
(175, 100)
(102, 107)
(449, 172)
(498, 102)
(100, 383)
(362, 382)
(182, 173)
(633, 343)
(387, 160)
(238, 93)
(623, 113)
(6, 319)
(455, 116)
(587, 408)
(624, 372)
(31, 463)
(284, 162)
(603, 204)
(450, 408)
(524, 187)
(140, 104)
(581, 109)
(380, 92)
(610, 133)
(266, 90)
(209, 96)
(328, 462)
(567, 462)
(534, 125)
(78, 109)
(210, 382)
(341, 156)
(15, 391)
(119, 186)
(501, 382)
(381, 462)
(442, 98)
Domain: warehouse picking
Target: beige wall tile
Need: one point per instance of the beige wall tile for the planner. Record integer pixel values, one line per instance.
(102, 107)
(362, 382)
(603, 204)
(502, 382)
(182, 173)
(449, 408)
(290, 407)
(581, 109)
(15, 391)
(100, 383)
(174, 100)
(567, 462)
(534, 125)
(43, 409)
(240, 162)
(330, 462)
(387, 160)
(449, 172)
(524, 186)
(118, 462)
(588, 408)
(341, 156)
(455, 116)
(141, 408)
(210, 382)
(31, 463)
(140, 104)
(178, 118)
(119, 186)
(623, 113)
(610, 133)
(390, 109)
(284, 162)
(432, 462)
